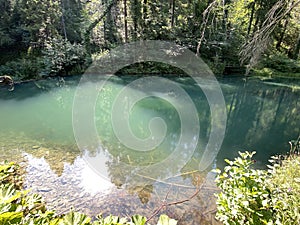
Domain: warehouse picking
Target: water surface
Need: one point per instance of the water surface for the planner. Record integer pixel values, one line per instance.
(36, 129)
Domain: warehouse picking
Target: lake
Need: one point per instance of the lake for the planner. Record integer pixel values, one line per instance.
(129, 156)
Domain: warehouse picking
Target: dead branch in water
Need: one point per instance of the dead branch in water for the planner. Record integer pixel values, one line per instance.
(169, 183)
(165, 204)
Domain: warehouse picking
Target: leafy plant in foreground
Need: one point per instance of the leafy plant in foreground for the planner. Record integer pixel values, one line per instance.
(252, 196)
(244, 197)
(285, 186)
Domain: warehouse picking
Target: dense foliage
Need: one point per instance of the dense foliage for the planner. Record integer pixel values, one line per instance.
(50, 37)
(18, 206)
(252, 196)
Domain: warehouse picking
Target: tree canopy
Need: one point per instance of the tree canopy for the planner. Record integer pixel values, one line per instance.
(226, 33)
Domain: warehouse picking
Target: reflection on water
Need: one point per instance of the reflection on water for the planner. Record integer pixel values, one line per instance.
(261, 117)
(80, 187)
(36, 130)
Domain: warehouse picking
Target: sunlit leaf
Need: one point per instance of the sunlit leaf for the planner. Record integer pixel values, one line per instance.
(165, 220)
(138, 220)
(11, 218)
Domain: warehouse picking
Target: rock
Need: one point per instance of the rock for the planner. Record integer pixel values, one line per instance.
(35, 147)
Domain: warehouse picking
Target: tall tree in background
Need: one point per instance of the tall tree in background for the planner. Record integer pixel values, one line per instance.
(41, 18)
(111, 35)
(5, 22)
(136, 16)
(252, 50)
(296, 53)
(125, 21)
(72, 19)
(172, 7)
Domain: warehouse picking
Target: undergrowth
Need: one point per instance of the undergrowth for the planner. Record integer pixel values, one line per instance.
(253, 196)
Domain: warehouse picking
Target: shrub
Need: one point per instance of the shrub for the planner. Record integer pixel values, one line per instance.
(22, 69)
(282, 63)
(244, 197)
(252, 196)
(62, 57)
(284, 184)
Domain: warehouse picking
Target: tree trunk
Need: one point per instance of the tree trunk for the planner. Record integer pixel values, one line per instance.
(173, 13)
(125, 21)
(145, 11)
(145, 19)
(63, 19)
(94, 24)
(251, 17)
(135, 19)
(108, 23)
(282, 34)
(297, 49)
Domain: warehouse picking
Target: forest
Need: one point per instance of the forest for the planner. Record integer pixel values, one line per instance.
(78, 145)
(40, 38)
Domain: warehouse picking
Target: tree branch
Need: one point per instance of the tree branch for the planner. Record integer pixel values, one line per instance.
(252, 50)
(94, 24)
(206, 15)
(166, 204)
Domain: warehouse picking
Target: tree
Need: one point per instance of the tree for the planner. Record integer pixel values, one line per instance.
(95, 22)
(40, 19)
(72, 19)
(136, 15)
(5, 22)
(125, 21)
(251, 51)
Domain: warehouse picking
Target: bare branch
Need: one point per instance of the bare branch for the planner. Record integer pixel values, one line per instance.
(252, 50)
(206, 15)
(166, 204)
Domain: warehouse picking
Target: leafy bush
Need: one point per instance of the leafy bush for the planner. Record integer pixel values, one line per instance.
(22, 69)
(285, 187)
(17, 206)
(252, 196)
(244, 198)
(282, 63)
(62, 57)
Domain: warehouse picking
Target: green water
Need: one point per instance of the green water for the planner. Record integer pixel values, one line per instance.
(36, 128)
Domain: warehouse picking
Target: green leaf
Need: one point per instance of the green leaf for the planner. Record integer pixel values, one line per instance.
(111, 220)
(8, 194)
(74, 218)
(55, 221)
(218, 171)
(297, 180)
(228, 162)
(165, 220)
(5, 167)
(138, 220)
(265, 203)
(11, 217)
